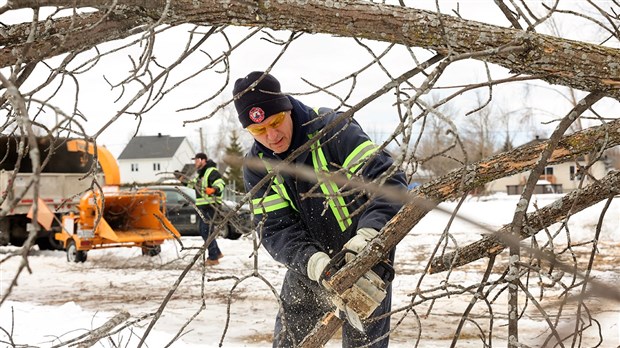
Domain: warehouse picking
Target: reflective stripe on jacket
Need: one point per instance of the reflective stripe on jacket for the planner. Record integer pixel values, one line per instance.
(210, 178)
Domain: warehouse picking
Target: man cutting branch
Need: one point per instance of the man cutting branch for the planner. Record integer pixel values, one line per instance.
(314, 228)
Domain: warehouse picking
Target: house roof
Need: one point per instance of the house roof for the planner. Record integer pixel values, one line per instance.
(151, 146)
(535, 141)
(539, 140)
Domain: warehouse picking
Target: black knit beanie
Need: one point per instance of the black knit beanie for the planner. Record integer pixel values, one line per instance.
(263, 100)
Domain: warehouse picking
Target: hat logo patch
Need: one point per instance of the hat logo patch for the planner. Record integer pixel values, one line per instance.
(257, 115)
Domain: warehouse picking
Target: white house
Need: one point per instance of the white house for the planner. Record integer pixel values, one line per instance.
(152, 159)
(557, 178)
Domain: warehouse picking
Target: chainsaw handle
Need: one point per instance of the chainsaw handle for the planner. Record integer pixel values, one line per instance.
(335, 263)
(383, 269)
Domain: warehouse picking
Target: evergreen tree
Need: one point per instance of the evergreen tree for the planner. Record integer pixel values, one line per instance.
(234, 174)
(507, 144)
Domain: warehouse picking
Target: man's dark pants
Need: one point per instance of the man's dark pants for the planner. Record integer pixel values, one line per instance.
(208, 227)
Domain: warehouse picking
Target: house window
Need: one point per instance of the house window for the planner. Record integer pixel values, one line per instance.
(549, 171)
(156, 166)
(134, 167)
(575, 173)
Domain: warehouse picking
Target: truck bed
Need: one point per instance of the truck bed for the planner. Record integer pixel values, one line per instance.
(54, 189)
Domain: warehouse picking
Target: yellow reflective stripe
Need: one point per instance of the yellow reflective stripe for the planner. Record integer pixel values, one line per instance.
(278, 186)
(219, 183)
(330, 189)
(358, 156)
(268, 204)
(281, 190)
(205, 177)
(208, 200)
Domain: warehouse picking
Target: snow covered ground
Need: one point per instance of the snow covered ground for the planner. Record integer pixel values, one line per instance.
(60, 301)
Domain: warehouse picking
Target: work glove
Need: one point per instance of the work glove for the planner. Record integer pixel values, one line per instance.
(209, 191)
(316, 265)
(359, 241)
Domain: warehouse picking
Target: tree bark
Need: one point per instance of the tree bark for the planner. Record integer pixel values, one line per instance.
(455, 184)
(70, 34)
(555, 60)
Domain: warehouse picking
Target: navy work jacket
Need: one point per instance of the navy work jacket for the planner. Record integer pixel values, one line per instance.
(293, 215)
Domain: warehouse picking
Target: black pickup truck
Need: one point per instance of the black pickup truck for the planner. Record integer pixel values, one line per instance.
(182, 214)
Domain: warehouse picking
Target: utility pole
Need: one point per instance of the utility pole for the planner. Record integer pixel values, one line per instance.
(202, 142)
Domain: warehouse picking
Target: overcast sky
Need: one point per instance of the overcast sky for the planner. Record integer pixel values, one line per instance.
(319, 58)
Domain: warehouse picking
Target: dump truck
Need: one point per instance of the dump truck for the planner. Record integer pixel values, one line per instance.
(63, 180)
(79, 215)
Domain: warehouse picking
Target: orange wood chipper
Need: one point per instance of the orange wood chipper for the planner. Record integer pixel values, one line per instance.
(116, 219)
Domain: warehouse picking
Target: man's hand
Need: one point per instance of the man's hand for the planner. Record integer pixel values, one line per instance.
(209, 191)
(316, 265)
(359, 241)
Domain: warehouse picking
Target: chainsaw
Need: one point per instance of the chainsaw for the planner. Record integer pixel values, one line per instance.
(361, 300)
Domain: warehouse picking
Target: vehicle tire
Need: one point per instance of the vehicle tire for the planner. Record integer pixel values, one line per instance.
(232, 232)
(18, 232)
(49, 242)
(55, 243)
(44, 243)
(245, 223)
(151, 250)
(74, 255)
(5, 234)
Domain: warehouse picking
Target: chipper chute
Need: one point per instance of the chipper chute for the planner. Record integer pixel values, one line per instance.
(117, 219)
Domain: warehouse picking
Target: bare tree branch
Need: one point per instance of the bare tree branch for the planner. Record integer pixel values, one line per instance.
(569, 204)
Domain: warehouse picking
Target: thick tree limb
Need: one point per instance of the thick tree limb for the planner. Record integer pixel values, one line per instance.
(555, 60)
(68, 35)
(452, 185)
(459, 181)
(572, 203)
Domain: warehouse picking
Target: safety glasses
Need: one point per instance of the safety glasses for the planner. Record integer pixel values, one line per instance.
(273, 122)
